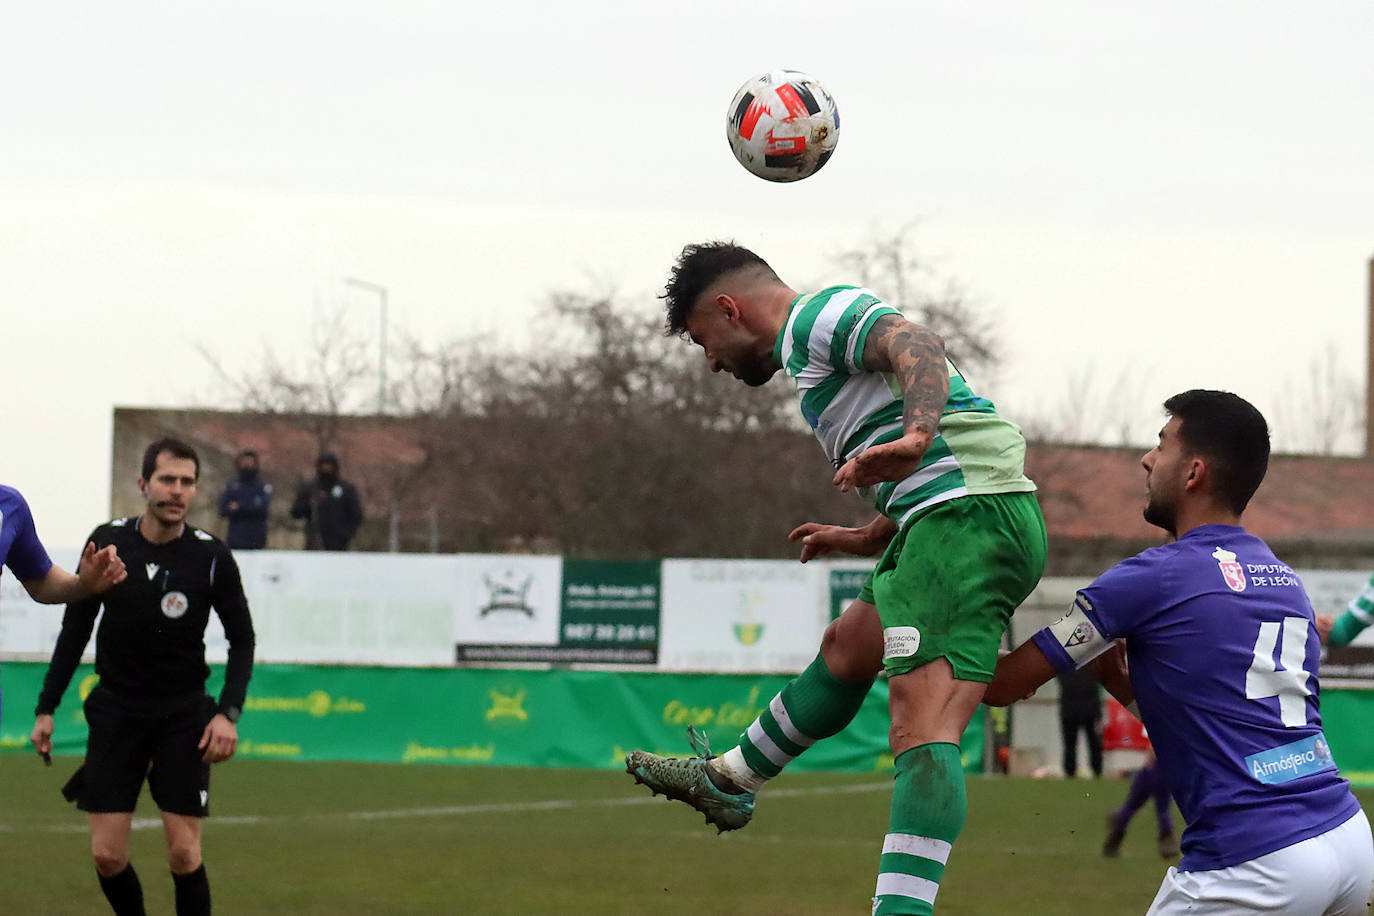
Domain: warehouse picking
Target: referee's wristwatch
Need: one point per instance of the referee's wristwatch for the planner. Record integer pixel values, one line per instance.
(232, 713)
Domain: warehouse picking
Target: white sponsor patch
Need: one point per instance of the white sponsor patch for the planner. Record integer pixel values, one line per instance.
(174, 604)
(901, 642)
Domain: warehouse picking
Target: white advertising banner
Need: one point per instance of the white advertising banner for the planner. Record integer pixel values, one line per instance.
(506, 600)
(28, 630)
(741, 615)
(351, 608)
(359, 608)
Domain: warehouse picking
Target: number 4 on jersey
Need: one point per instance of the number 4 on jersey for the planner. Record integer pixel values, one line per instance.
(1289, 684)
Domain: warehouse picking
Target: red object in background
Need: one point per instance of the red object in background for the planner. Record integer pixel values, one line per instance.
(1123, 731)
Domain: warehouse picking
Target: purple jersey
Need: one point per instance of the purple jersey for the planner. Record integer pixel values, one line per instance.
(1223, 660)
(20, 548)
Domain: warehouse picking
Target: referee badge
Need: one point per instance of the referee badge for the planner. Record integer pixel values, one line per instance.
(174, 604)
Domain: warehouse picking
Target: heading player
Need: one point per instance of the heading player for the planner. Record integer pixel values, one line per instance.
(150, 716)
(1221, 652)
(958, 527)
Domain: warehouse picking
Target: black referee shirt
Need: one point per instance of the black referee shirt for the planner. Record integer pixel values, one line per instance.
(151, 641)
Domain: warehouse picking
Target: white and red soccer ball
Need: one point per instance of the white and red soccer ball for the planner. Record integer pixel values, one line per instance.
(783, 125)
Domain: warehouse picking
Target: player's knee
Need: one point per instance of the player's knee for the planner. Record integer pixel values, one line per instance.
(846, 655)
(108, 861)
(902, 736)
(183, 857)
(829, 644)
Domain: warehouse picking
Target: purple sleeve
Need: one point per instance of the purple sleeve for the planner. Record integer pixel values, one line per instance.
(1121, 599)
(1111, 607)
(1054, 652)
(27, 559)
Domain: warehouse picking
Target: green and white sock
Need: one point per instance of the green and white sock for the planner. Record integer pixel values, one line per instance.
(925, 823)
(813, 705)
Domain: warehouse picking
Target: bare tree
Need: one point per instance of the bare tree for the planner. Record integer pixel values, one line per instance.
(1093, 411)
(322, 386)
(1322, 413)
(889, 265)
(632, 446)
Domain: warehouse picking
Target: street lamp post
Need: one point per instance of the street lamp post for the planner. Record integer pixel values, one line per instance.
(393, 519)
(381, 338)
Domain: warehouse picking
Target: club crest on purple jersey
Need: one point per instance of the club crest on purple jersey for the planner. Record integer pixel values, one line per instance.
(1231, 570)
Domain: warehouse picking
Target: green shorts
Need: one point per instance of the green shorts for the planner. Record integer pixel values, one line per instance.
(947, 585)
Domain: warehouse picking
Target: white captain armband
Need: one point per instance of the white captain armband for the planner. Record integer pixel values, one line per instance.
(1079, 638)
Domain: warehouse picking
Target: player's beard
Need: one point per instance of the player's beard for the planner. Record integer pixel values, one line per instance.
(755, 371)
(1160, 512)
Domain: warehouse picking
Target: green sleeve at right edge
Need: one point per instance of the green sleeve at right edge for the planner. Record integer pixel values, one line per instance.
(1347, 627)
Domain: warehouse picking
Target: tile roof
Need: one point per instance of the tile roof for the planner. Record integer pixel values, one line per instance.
(1093, 491)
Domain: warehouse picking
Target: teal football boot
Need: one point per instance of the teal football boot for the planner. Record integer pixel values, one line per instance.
(692, 780)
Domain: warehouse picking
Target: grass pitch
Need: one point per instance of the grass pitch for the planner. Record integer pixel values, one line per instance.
(341, 839)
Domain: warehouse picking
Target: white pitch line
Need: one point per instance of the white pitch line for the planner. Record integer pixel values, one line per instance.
(149, 823)
(516, 807)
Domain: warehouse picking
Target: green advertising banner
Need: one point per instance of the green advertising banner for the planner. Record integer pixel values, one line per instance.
(845, 585)
(1346, 715)
(485, 716)
(612, 607)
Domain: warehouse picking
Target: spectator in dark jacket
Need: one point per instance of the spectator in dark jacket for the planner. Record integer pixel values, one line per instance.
(245, 502)
(1080, 708)
(329, 505)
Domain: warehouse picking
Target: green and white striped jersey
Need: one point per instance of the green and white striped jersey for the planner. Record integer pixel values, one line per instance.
(1362, 605)
(850, 408)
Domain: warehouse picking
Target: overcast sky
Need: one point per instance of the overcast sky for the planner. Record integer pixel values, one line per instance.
(1146, 197)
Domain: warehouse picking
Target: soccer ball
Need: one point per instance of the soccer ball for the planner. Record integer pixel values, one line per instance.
(783, 125)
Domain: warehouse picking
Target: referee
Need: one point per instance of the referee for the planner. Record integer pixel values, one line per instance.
(150, 716)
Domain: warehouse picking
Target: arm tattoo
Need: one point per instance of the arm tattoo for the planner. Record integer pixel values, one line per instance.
(916, 356)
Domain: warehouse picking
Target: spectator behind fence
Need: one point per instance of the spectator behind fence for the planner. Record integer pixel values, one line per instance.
(329, 505)
(245, 501)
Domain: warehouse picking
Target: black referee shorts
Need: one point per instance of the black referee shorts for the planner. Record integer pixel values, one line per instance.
(132, 739)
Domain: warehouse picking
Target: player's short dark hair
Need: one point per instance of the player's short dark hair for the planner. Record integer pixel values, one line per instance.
(174, 447)
(1227, 431)
(697, 267)
(246, 453)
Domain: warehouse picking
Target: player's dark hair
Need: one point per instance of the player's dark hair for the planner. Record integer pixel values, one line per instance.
(246, 453)
(1227, 431)
(697, 267)
(172, 446)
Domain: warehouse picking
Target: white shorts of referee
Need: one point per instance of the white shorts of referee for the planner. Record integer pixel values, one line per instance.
(1328, 875)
